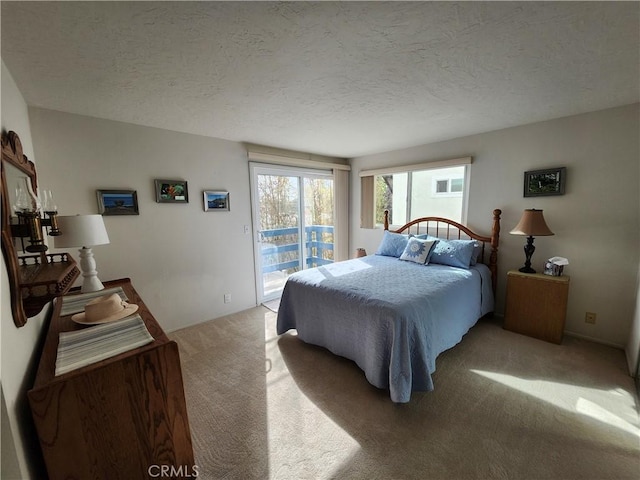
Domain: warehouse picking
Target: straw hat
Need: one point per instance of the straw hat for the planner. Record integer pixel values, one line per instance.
(104, 309)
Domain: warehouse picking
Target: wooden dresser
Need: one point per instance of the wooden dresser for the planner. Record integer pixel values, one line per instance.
(120, 418)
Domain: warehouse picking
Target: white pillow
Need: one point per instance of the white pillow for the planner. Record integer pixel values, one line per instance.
(418, 250)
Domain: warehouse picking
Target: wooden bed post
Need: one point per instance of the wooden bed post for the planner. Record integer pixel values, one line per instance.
(493, 258)
(386, 219)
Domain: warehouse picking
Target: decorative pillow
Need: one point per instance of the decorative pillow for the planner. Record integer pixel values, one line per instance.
(418, 250)
(455, 253)
(426, 236)
(392, 244)
(477, 250)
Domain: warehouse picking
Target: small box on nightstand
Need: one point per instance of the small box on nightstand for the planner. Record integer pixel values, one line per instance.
(536, 305)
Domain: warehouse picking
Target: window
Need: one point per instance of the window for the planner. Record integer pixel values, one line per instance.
(438, 192)
(437, 188)
(442, 186)
(448, 186)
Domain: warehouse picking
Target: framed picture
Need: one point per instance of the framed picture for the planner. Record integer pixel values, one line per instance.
(118, 202)
(216, 201)
(171, 191)
(538, 183)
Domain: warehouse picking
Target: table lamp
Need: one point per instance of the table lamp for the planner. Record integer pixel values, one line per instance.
(531, 224)
(84, 231)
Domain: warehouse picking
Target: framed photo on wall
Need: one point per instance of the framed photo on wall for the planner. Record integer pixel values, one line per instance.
(118, 202)
(216, 201)
(538, 183)
(171, 191)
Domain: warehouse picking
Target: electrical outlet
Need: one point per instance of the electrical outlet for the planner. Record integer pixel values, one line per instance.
(590, 317)
(227, 298)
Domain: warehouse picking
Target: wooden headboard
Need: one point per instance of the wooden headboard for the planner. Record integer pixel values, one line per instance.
(450, 229)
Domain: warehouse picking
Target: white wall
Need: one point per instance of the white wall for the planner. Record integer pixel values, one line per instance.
(181, 259)
(18, 349)
(633, 345)
(595, 222)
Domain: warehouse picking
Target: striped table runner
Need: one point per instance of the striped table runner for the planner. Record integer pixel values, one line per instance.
(90, 345)
(75, 303)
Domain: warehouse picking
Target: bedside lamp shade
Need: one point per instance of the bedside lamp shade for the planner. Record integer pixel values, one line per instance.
(84, 231)
(531, 224)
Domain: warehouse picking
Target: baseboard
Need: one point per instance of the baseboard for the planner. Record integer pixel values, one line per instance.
(500, 316)
(595, 340)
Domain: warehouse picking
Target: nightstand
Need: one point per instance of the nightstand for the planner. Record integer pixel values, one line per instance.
(536, 305)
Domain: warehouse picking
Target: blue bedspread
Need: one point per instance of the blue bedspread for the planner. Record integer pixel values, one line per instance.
(391, 317)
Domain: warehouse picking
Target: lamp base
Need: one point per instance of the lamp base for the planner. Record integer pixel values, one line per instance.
(528, 252)
(91, 282)
(526, 269)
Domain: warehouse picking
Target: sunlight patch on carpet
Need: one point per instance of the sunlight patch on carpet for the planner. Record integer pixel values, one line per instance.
(307, 429)
(607, 406)
(594, 410)
(303, 441)
(272, 305)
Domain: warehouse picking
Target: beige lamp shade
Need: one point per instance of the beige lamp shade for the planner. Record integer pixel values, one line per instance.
(81, 231)
(532, 224)
(84, 231)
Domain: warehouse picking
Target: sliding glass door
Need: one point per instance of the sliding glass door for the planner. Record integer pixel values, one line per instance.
(292, 223)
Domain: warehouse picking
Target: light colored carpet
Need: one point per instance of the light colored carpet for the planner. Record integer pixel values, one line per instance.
(273, 305)
(505, 406)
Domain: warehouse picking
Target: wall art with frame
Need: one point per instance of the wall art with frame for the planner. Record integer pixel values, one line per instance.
(171, 191)
(551, 181)
(118, 202)
(216, 201)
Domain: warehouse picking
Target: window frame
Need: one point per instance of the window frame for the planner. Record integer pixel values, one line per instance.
(368, 208)
(448, 192)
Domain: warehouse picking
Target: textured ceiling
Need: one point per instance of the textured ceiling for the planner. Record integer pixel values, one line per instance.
(333, 78)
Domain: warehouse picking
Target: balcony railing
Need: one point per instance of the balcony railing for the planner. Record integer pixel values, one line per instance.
(281, 248)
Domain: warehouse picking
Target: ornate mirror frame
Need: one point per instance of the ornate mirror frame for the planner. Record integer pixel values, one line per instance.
(12, 155)
(34, 280)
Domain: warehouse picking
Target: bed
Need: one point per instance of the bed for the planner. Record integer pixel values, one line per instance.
(391, 314)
